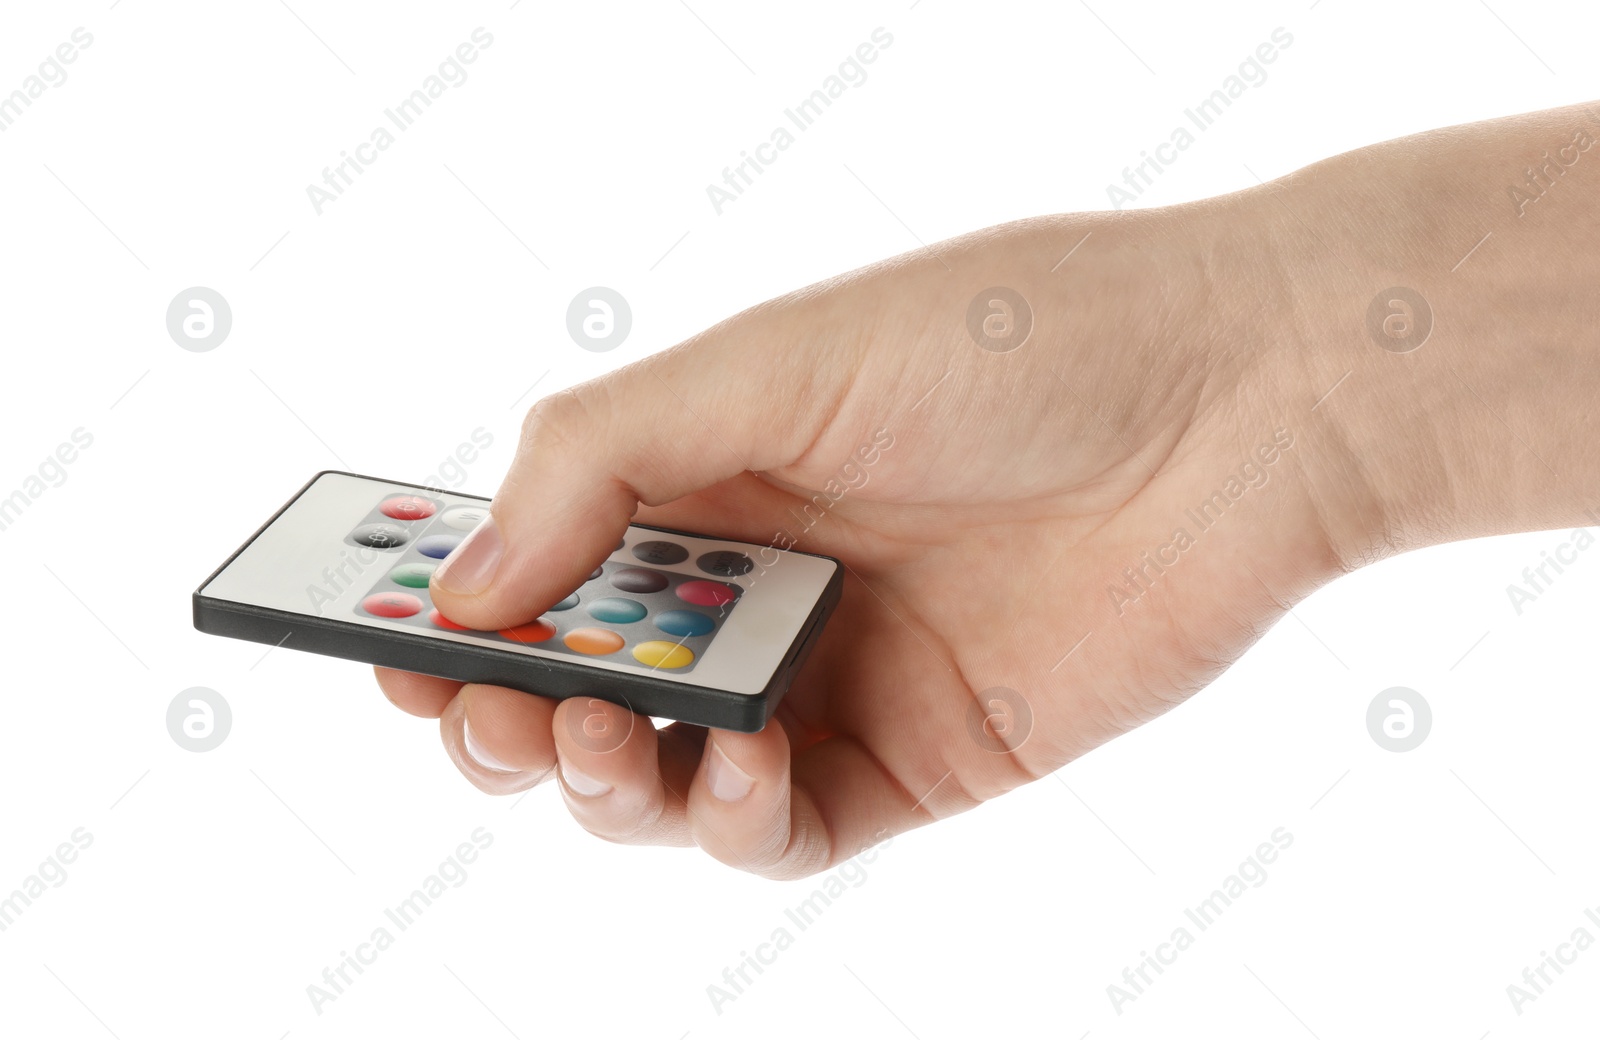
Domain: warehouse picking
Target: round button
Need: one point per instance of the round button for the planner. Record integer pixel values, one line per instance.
(437, 546)
(593, 641)
(661, 552)
(532, 632)
(616, 611)
(706, 593)
(380, 536)
(684, 623)
(568, 603)
(440, 621)
(658, 653)
(464, 518)
(412, 575)
(633, 579)
(596, 573)
(407, 507)
(391, 604)
(725, 564)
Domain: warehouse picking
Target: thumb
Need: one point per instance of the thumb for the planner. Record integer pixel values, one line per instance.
(649, 433)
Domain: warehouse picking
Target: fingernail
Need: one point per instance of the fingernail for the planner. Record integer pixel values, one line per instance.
(480, 754)
(470, 568)
(727, 781)
(582, 783)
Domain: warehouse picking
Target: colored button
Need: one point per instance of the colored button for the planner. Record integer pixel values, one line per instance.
(660, 654)
(616, 611)
(532, 632)
(661, 552)
(706, 593)
(440, 621)
(568, 603)
(464, 518)
(391, 604)
(412, 575)
(593, 641)
(725, 564)
(407, 507)
(633, 579)
(684, 623)
(438, 546)
(597, 572)
(380, 536)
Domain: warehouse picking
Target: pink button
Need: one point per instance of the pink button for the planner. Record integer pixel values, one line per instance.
(391, 604)
(706, 593)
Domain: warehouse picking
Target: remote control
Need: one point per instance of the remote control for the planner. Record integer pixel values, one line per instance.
(671, 624)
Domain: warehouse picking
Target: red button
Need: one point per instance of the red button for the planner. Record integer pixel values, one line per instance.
(532, 632)
(443, 622)
(407, 507)
(706, 593)
(391, 604)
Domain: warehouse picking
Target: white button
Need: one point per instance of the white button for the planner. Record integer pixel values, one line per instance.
(465, 518)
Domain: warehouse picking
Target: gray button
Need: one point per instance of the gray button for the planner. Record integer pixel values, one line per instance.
(725, 564)
(661, 552)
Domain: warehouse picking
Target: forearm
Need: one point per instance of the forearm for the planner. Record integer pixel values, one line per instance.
(1489, 425)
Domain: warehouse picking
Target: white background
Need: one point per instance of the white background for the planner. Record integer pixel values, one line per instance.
(427, 300)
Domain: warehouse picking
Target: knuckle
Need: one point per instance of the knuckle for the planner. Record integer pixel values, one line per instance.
(563, 418)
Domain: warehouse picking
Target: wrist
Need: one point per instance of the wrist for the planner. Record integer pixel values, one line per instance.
(1438, 351)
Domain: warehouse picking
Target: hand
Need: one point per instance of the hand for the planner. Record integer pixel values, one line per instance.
(1052, 543)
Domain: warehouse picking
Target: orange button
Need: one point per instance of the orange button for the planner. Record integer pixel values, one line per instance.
(532, 632)
(593, 641)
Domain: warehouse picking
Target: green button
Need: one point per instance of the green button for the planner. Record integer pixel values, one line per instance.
(412, 575)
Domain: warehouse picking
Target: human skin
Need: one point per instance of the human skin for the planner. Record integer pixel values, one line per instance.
(1171, 348)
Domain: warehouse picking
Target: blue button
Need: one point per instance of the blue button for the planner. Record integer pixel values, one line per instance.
(617, 611)
(684, 623)
(437, 546)
(568, 603)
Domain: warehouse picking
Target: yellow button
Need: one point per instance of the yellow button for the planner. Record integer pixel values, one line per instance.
(658, 653)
